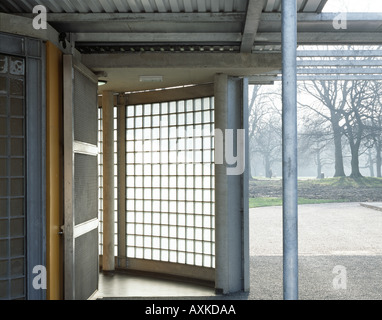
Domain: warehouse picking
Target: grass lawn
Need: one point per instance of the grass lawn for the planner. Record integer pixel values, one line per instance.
(270, 201)
(370, 182)
(268, 192)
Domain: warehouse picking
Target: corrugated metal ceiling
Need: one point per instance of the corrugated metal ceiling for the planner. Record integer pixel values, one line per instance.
(200, 18)
(150, 6)
(124, 6)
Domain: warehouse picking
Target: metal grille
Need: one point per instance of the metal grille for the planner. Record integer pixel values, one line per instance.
(86, 272)
(170, 181)
(100, 183)
(85, 184)
(85, 120)
(12, 181)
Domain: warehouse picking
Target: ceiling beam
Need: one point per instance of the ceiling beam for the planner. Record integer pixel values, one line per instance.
(261, 61)
(338, 70)
(329, 77)
(339, 63)
(325, 17)
(252, 21)
(321, 5)
(339, 77)
(156, 96)
(260, 80)
(339, 53)
(22, 26)
(324, 38)
(159, 37)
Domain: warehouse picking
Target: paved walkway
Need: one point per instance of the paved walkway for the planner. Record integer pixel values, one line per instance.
(344, 234)
(324, 229)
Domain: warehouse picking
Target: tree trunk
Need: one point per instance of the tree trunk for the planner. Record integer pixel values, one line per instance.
(267, 165)
(355, 173)
(371, 163)
(338, 159)
(252, 166)
(378, 158)
(319, 166)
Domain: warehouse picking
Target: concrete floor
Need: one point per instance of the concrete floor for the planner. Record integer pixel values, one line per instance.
(122, 285)
(347, 235)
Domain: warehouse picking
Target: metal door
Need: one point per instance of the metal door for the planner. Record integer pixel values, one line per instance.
(80, 186)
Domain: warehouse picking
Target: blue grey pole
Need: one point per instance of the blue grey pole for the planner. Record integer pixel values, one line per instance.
(289, 101)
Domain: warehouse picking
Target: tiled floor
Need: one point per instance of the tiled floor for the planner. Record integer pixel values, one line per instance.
(125, 285)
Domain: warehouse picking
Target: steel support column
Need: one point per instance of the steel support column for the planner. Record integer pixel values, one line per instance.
(289, 118)
(108, 181)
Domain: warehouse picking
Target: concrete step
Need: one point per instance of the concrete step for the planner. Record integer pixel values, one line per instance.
(372, 205)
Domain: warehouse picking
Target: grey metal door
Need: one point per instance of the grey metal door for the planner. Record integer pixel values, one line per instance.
(80, 186)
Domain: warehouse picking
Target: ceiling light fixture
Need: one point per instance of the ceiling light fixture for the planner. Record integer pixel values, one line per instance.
(101, 82)
(151, 78)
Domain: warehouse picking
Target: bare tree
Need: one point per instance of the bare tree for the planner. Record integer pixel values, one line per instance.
(375, 123)
(356, 113)
(314, 138)
(353, 110)
(331, 97)
(264, 125)
(268, 143)
(256, 111)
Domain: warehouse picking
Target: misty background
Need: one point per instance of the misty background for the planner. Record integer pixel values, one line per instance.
(339, 127)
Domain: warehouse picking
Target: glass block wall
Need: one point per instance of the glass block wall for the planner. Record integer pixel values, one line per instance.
(100, 182)
(170, 181)
(12, 178)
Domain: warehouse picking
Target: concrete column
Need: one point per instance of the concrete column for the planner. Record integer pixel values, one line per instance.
(121, 158)
(231, 210)
(108, 181)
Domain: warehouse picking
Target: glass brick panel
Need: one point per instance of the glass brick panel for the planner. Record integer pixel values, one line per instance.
(100, 180)
(169, 189)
